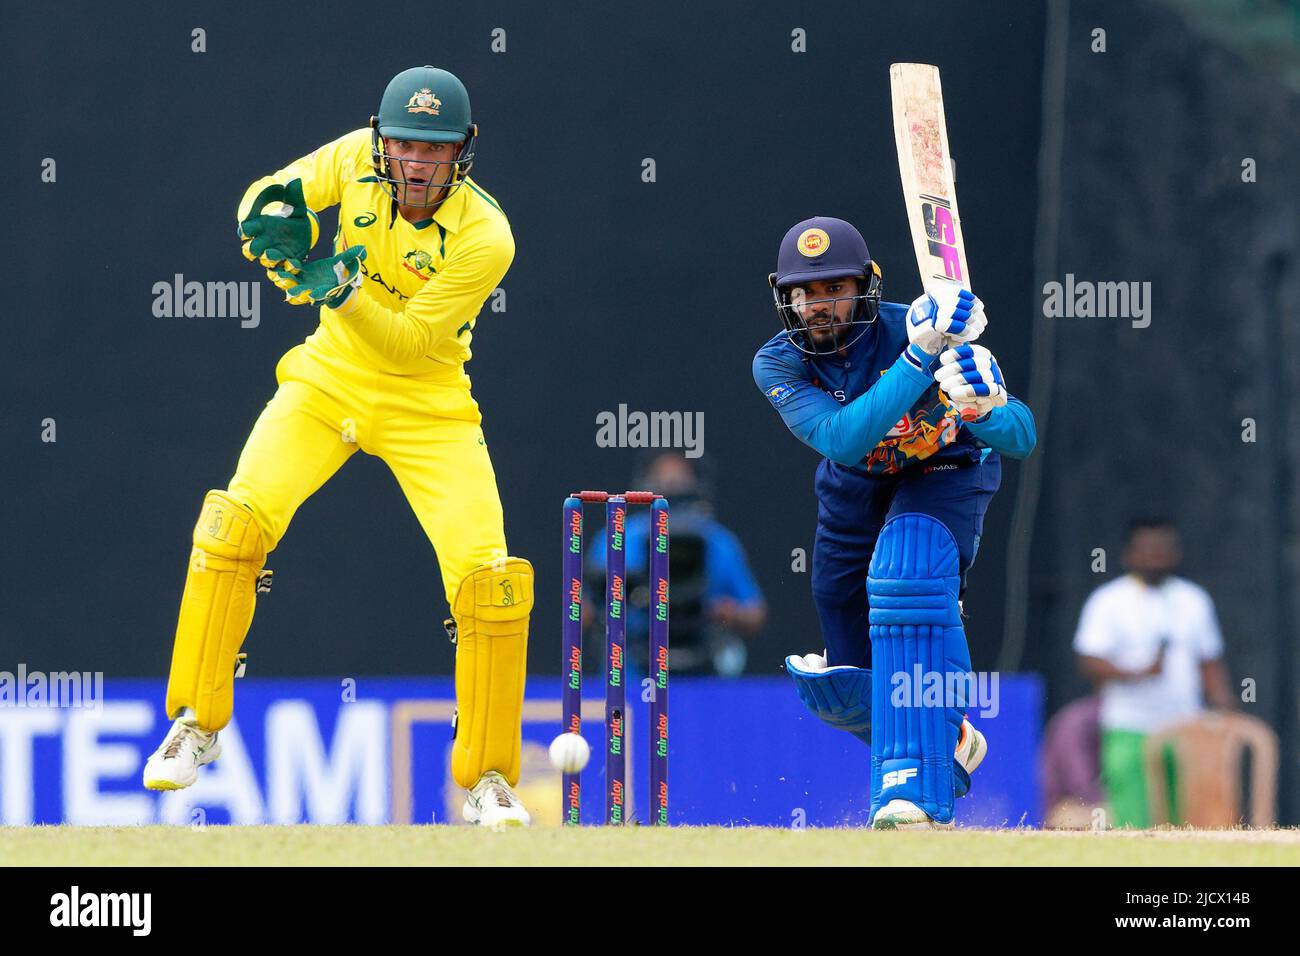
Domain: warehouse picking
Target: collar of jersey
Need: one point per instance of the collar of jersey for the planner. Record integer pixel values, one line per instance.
(452, 210)
(448, 215)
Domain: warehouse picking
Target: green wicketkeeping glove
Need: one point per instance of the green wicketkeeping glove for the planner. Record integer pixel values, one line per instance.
(287, 234)
(322, 281)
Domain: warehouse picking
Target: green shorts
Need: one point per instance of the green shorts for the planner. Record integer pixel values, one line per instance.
(1124, 781)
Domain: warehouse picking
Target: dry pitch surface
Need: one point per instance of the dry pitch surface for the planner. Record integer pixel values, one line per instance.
(717, 846)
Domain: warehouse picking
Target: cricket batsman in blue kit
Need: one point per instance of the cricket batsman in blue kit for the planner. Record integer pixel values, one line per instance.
(911, 419)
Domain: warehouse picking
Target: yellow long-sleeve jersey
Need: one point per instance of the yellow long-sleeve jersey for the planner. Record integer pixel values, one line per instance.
(424, 283)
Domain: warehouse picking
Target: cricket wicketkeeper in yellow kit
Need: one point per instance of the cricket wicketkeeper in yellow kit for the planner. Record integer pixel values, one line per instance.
(419, 248)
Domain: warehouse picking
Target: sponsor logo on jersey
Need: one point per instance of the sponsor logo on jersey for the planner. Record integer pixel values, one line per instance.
(365, 219)
(388, 287)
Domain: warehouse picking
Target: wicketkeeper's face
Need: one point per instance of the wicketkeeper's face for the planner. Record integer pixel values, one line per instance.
(826, 308)
(420, 170)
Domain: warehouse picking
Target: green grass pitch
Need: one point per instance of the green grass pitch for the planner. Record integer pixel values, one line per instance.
(633, 846)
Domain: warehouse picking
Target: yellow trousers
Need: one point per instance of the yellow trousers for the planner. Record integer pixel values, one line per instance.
(426, 429)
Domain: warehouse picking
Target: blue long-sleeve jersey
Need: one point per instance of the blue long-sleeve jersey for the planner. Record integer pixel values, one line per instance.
(873, 411)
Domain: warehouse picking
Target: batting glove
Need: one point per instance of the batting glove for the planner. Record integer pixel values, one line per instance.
(945, 315)
(970, 377)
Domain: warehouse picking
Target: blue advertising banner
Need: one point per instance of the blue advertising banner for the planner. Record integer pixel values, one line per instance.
(742, 752)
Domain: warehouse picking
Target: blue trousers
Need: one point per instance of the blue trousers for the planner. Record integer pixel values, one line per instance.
(851, 510)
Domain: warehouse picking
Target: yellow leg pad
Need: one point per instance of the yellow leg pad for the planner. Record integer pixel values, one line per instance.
(216, 610)
(491, 609)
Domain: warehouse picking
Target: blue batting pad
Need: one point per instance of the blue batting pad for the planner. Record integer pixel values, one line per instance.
(917, 642)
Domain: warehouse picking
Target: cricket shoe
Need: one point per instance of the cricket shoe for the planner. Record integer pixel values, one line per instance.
(175, 765)
(493, 804)
(971, 747)
(905, 815)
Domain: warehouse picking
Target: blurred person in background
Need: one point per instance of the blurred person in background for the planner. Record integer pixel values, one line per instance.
(1070, 765)
(1150, 642)
(717, 605)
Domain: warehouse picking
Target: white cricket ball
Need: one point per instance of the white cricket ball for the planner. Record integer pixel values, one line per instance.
(569, 753)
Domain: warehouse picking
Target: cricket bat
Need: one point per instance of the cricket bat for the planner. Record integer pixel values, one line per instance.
(926, 168)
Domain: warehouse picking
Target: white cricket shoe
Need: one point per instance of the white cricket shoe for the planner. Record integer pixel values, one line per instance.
(175, 765)
(971, 747)
(493, 804)
(905, 815)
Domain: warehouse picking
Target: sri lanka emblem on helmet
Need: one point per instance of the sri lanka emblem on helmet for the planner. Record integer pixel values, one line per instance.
(813, 242)
(419, 262)
(424, 101)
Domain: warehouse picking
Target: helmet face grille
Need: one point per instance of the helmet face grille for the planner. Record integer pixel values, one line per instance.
(792, 308)
(436, 180)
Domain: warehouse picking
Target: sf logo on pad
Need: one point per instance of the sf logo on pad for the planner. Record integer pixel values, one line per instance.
(896, 778)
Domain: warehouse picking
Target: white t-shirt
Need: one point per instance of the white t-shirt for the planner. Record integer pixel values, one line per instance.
(1124, 622)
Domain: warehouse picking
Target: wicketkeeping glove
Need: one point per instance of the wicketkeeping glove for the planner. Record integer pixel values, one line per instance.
(285, 235)
(322, 281)
(970, 377)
